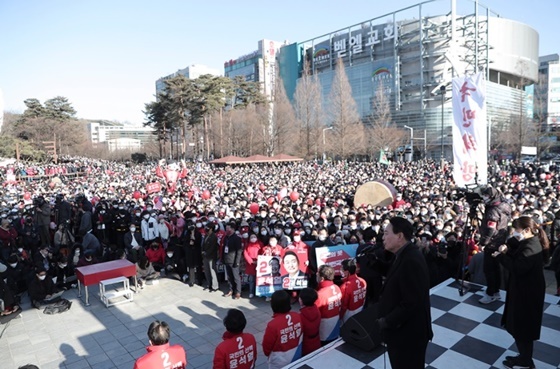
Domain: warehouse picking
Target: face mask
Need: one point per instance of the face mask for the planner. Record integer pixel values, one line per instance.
(198, 225)
(263, 233)
(13, 265)
(353, 227)
(297, 238)
(146, 216)
(121, 207)
(287, 231)
(211, 219)
(308, 231)
(518, 235)
(20, 249)
(277, 232)
(169, 254)
(273, 244)
(62, 265)
(42, 277)
(322, 238)
(256, 230)
(132, 229)
(253, 239)
(245, 235)
(149, 208)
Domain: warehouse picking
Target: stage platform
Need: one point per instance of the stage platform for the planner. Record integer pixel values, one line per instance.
(467, 334)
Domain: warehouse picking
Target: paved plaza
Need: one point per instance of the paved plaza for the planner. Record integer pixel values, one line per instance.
(99, 337)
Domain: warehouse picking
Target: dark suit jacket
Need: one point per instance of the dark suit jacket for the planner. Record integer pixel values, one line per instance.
(405, 300)
(234, 250)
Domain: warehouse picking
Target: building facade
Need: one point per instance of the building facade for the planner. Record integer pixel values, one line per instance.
(192, 72)
(118, 136)
(412, 55)
(547, 91)
(257, 66)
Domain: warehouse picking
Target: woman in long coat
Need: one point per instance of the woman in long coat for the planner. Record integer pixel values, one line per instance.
(524, 258)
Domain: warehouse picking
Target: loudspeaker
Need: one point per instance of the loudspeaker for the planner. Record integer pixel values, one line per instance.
(361, 330)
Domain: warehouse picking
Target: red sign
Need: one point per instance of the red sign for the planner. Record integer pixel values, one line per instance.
(153, 187)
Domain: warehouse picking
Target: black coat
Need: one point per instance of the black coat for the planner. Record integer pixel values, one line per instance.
(526, 288)
(405, 303)
(210, 246)
(192, 250)
(234, 250)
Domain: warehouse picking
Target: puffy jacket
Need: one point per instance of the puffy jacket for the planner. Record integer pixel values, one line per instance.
(329, 304)
(310, 322)
(163, 357)
(282, 340)
(237, 351)
(250, 254)
(353, 289)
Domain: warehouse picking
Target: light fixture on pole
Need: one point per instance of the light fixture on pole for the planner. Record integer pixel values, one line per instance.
(324, 154)
(411, 142)
(442, 92)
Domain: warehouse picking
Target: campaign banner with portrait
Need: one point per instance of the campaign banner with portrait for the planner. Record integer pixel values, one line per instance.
(334, 255)
(292, 268)
(269, 277)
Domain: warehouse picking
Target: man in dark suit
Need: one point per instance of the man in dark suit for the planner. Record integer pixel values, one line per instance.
(231, 257)
(404, 307)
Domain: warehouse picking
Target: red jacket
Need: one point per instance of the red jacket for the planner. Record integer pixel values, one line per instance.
(310, 322)
(353, 289)
(282, 339)
(237, 351)
(329, 303)
(163, 357)
(156, 256)
(250, 253)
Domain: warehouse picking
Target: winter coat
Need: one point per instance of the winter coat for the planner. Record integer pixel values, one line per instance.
(192, 250)
(526, 288)
(310, 322)
(282, 339)
(236, 351)
(250, 254)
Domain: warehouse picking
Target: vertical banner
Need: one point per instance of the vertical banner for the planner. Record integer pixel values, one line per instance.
(469, 130)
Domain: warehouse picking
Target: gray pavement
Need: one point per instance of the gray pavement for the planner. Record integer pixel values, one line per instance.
(101, 338)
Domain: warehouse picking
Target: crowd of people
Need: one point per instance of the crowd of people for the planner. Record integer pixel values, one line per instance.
(201, 218)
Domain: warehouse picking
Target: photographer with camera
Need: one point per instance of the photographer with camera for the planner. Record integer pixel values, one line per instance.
(62, 210)
(493, 233)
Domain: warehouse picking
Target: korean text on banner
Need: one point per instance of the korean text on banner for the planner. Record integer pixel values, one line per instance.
(334, 255)
(470, 130)
(269, 278)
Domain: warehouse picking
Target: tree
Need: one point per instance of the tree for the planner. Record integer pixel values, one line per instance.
(348, 130)
(156, 118)
(284, 130)
(382, 132)
(308, 110)
(56, 118)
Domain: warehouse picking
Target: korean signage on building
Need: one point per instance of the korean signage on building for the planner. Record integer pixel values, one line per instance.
(355, 44)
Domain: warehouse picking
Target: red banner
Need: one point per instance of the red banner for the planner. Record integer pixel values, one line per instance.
(153, 187)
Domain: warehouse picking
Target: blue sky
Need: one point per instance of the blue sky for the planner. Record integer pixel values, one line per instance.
(105, 55)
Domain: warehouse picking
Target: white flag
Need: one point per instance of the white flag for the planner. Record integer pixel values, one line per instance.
(469, 130)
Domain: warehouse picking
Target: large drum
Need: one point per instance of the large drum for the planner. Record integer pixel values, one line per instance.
(376, 193)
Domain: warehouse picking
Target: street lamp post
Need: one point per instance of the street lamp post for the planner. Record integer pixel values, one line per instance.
(324, 154)
(411, 142)
(442, 91)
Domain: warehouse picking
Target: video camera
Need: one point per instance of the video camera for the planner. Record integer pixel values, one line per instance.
(472, 196)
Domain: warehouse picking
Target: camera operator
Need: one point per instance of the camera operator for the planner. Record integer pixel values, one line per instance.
(493, 233)
(62, 210)
(42, 219)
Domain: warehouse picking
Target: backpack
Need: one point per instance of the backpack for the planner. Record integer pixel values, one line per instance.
(58, 307)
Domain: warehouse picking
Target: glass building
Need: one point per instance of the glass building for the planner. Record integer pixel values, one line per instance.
(413, 55)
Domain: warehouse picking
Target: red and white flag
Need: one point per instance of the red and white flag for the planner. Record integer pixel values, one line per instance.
(470, 130)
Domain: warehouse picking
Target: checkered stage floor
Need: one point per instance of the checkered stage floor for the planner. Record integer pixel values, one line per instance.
(467, 335)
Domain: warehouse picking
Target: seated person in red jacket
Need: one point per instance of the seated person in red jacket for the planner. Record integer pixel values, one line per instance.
(282, 340)
(156, 255)
(353, 289)
(310, 320)
(329, 303)
(161, 355)
(238, 350)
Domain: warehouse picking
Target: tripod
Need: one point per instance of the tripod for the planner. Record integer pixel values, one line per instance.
(467, 236)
